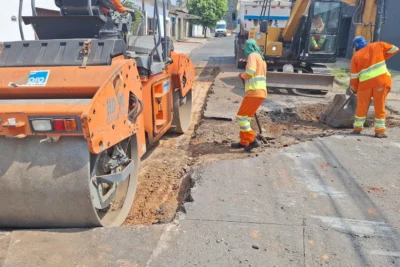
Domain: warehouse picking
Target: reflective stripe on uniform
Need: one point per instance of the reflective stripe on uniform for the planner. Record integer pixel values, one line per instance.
(242, 118)
(359, 122)
(321, 40)
(380, 124)
(314, 43)
(374, 71)
(258, 82)
(393, 50)
(245, 129)
(354, 76)
(250, 71)
(244, 123)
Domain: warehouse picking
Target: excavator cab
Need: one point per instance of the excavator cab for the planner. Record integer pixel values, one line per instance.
(321, 40)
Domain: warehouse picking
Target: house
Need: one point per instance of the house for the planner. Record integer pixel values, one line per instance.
(148, 7)
(180, 22)
(9, 31)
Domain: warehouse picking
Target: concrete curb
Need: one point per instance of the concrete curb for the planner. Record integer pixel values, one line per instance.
(200, 46)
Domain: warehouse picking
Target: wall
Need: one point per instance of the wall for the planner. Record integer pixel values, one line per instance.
(197, 31)
(232, 6)
(9, 30)
(390, 32)
(149, 8)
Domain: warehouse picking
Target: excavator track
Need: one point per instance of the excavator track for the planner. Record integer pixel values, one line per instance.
(50, 185)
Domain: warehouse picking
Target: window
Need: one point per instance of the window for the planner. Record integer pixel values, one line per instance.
(324, 28)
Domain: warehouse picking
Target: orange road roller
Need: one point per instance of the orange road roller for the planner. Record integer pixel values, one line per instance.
(78, 107)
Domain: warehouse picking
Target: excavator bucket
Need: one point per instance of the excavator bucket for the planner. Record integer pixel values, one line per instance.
(340, 114)
(300, 81)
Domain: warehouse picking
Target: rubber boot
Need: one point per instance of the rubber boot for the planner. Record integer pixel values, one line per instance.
(237, 146)
(253, 145)
(381, 135)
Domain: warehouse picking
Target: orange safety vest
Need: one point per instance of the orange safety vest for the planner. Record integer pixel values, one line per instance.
(368, 66)
(255, 76)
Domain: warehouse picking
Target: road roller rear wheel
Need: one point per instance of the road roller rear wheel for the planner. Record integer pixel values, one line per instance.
(113, 202)
(50, 185)
(182, 112)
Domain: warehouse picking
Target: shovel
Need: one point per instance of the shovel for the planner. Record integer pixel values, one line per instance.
(341, 108)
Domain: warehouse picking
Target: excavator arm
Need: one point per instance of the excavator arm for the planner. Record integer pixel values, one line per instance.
(369, 13)
(365, 18)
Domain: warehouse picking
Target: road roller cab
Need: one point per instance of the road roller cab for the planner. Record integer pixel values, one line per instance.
(77, 109)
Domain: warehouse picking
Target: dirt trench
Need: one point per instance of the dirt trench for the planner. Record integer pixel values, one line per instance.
(161, 184)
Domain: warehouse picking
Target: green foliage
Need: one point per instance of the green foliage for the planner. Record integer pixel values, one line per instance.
(341, 73)
(138, 15)
(211, 11)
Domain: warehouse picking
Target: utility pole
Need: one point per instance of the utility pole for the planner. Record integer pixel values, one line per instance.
(144, 22)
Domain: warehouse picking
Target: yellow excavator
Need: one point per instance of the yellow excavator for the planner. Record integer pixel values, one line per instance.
(296, 54)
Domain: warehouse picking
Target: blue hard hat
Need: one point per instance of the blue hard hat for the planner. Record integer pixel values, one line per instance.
(359, 42)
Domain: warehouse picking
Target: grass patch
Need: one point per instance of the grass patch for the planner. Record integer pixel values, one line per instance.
(341, 73)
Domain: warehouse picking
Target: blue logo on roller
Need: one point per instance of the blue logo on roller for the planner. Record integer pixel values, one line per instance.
(165, 87)
(38, 78)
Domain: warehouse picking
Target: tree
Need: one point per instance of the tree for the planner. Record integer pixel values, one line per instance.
(210, 11)
(138, 22)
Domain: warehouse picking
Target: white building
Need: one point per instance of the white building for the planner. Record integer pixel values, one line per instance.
(9, 30)
(149, 15)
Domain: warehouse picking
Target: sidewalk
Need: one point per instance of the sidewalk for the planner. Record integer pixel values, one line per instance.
(188, 45)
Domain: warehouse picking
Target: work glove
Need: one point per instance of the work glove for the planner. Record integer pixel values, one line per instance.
(350, 91)
(241, 78)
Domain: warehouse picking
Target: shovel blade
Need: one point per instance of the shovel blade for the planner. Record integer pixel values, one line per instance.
(338, 117)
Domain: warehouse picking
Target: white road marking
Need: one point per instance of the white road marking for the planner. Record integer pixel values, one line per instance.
(385, 253)
(357, 227)
(307, 176)
(163, 242)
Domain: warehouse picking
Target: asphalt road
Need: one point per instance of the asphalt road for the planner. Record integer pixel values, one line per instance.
(219, 51)
(329, 202)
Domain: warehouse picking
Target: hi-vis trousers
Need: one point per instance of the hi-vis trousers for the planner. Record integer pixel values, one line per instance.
(363, 101)
(246, 111)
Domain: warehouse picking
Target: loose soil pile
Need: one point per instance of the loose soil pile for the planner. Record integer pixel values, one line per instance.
(212, 138)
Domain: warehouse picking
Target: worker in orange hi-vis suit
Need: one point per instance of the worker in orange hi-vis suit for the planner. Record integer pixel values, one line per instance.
(370, 78)
(256, 92)
(116, 4)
